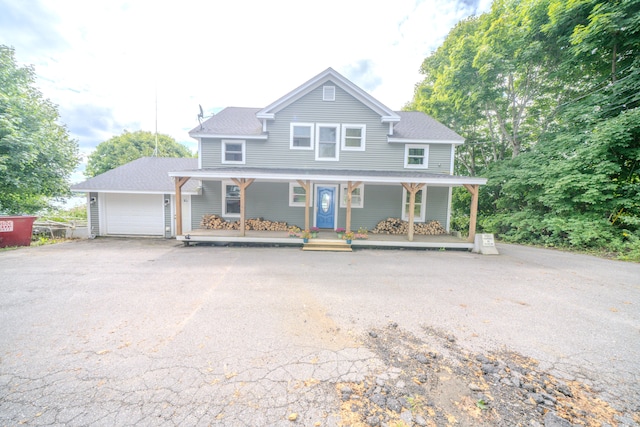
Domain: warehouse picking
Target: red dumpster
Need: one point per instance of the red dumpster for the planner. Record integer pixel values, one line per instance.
(16, 230)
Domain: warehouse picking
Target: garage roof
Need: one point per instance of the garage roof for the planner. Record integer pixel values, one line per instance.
(147, 175)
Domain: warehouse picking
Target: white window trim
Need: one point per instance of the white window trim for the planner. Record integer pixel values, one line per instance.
(298, 204)
(425, 164)
(363, 140)
(327, 125)
(328, 93)
(423, 209)
(224, 199)
(311, 135)
(343, 197)
(232, 141)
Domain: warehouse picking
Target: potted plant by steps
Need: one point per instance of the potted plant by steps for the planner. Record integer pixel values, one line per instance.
(306, 235)
(340, 232)
(349, 237)
(314, 232)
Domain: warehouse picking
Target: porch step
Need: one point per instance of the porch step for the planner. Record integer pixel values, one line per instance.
(326, 245)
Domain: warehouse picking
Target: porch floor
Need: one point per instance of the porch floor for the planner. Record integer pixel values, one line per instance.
(445, 241)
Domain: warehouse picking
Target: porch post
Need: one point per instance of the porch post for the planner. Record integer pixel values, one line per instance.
(242, 183)
(412, 189)
(307, 201)
(473, 214)
(350, 187)
(180, 181)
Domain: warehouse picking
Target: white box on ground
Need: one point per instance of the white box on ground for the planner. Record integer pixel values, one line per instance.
(485, 245)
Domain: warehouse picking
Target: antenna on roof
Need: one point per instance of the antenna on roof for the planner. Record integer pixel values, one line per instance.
(155, 151)
(200, 116)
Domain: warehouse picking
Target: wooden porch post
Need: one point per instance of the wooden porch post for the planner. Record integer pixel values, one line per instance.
(180, 181)
(350, 187)
(473, 214)
(242, 183)
(412, 189)
(307, 190)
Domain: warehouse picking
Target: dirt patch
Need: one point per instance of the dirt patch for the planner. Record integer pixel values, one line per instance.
(436, 383)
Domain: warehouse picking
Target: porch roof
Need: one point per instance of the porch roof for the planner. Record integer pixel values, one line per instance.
(329, 175)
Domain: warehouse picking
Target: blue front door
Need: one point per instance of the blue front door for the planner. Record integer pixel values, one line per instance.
(326, 207)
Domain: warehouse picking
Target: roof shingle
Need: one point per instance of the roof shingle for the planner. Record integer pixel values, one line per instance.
(143, 175)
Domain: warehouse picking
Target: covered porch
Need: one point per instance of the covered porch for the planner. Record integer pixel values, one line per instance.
(412, 182)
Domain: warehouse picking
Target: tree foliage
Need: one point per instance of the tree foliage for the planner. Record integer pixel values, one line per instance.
(130, 146)
(37, 156)
(546, 93)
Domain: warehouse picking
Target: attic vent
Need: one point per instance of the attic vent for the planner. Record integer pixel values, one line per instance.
(328, 93)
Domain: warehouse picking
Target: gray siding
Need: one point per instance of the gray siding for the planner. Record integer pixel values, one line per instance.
(437, 204)
(167, 216)
(275, 152)
(94, 220)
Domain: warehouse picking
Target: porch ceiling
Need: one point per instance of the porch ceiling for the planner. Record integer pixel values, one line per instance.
(330, 175)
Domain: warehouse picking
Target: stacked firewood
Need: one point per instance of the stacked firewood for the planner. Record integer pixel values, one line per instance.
(398, 226)
(216, 222)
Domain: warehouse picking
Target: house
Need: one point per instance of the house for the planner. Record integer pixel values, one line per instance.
(137, 198)
(326, 154)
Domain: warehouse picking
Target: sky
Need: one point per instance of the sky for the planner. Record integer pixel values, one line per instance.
(115, 65)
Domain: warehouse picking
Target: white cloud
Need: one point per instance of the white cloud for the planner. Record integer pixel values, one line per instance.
(103, 62)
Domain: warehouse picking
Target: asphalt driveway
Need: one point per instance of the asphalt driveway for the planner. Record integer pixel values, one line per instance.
(148, 332)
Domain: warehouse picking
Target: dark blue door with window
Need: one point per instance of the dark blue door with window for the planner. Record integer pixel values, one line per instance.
(326, 207)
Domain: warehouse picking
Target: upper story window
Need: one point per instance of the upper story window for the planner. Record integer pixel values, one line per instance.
(328, 93)
(416, 156)
(327, 141)
(233, 152)
(418, 208)
(301, 136)
(357, 196)
(230, 199)
(353, 137)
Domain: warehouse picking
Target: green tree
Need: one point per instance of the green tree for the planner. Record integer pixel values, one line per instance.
(130, 146)
(37, 156)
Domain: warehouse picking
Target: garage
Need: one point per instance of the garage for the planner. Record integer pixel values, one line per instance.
(133, 214)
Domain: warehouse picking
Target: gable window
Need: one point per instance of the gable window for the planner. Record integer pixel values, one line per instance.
(353, 137)
(327, 141)
(301, 136)
(233, 152)
(416, 156)
(357, 196)
(419, 208)
(328, 93)
(297, 195)
(230, 199)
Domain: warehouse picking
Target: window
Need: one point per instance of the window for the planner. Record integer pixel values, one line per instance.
(419, 209)
(301, 136)
(357, 196)
(297, 195)
(328, 93)
(230, 199)
(353, 137)
(416, 156)
(233, 152)
(327, 141)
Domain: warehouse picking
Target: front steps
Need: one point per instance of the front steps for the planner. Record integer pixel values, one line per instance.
(326, 245)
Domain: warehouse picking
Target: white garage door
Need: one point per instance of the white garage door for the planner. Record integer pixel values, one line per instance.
(134, 214)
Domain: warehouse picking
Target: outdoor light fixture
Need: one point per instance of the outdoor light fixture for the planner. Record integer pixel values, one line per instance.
(92, 200)
(166, 202)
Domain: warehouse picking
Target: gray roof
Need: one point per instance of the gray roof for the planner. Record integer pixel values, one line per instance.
(144, 175)
(418, 125)
(239, 121)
